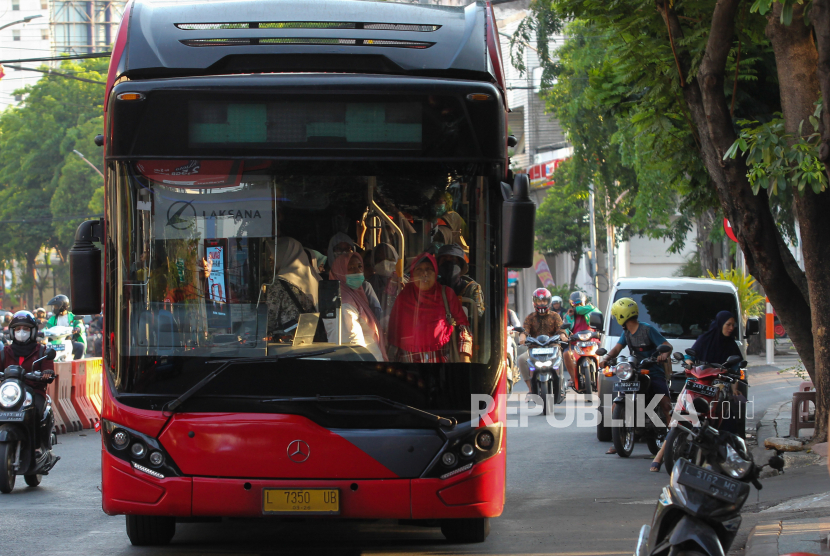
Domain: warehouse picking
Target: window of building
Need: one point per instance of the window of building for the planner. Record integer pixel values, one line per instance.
(44, 34)
(16, 35)
(44, 5)
(18, 98)
(15, 4)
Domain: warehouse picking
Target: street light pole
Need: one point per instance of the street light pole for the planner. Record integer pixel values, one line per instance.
(26, 19)
(94, 167)
(593, 236)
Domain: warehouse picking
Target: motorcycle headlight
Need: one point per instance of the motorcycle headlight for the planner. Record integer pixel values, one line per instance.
(10, 393)
(584, 336)
(624, 371)
(736, 466)
(544, 364)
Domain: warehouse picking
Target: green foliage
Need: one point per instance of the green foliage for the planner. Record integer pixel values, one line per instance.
(776, 158)
(752, 303)
(39, 175)
(562, 218)
(692, 267)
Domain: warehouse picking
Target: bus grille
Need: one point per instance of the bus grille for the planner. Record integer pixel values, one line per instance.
(309, 25)
(305, 41)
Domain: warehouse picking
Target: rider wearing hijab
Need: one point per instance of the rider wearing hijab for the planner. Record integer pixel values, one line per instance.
(359, 325)
(713, 346)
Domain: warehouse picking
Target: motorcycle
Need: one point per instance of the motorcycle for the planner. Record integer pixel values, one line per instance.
(584, 345)
(59, 338)
(708, 393)
(544, 360)
(699, 512)
(634, 380)
(23, 450)
(513, 375)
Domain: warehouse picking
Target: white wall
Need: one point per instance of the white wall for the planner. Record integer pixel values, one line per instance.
(32, 44)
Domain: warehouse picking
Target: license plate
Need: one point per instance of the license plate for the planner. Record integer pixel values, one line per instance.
(627, 387)
(540, 351)
(301, 501)
(11, 416)
(703, 389)
(58, 347)
(713, 484)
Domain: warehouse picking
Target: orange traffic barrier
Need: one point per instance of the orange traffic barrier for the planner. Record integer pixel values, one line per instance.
(52, 392)
(93, 382)
(80, 401)
(63, 401)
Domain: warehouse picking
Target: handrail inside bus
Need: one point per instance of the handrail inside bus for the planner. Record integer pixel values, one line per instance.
(385, 218)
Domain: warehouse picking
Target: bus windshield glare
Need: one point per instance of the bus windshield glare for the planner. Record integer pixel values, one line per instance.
(218, 259)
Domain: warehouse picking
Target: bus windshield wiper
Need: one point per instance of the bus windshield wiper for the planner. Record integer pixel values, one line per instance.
(225, 363)
(448, 422)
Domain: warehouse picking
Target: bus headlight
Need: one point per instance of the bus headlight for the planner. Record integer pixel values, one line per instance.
(10, 394)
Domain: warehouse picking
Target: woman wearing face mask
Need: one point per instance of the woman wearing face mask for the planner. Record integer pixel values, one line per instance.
(359, 325)
(342, 244)
(445, 216)
(385, 281)
(419, 331)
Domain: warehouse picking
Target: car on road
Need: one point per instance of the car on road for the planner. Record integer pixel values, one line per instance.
(681, 309)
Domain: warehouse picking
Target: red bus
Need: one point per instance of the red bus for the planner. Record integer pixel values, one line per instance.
(244, 142)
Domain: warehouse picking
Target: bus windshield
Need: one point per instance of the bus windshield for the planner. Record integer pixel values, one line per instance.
(381, 279)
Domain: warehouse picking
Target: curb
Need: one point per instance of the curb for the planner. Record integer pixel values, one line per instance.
(763, 539)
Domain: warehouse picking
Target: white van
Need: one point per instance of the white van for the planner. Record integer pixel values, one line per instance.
(680, 308)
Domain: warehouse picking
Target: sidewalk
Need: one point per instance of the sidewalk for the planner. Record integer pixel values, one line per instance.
(774, 538)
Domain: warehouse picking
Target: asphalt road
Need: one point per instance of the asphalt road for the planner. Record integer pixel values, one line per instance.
(564, 497)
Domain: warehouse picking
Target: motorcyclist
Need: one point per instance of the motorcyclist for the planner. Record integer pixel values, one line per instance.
(40, 317)
(642, 340)
(62, 317)
(577, 317)
(542, 321)
(24, 351)
(556, 306)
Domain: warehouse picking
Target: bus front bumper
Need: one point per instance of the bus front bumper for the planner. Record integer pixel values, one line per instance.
(478, 492)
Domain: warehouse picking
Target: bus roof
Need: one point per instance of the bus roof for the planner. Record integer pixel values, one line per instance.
(166, 39)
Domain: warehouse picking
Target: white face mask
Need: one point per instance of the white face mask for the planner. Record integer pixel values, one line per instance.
(22, 335)
(385, 268)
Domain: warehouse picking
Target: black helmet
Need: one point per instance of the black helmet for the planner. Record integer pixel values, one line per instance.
(578, 298)
(59, 303)
(27, 319)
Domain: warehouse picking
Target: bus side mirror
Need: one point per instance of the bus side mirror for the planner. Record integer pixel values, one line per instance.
(595, 320)
(85, 268)
(518, 220)
(753, 326)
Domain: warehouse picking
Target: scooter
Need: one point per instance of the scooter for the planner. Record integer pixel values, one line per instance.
(59, 338)
(584, 345)
(633, 387)
(544, 360)
(708, 394)
(699, 512)
(25, 436)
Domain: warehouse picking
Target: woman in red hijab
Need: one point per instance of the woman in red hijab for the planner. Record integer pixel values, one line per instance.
(418, 328)
(359, 324)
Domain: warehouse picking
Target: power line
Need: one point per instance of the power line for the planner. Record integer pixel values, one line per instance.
(59, 74)
(59, 58)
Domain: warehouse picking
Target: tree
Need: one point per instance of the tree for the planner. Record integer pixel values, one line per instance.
(35, 140)
(562, 219)
(701, 49)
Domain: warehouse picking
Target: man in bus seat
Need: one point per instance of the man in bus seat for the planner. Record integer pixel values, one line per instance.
(541, 322)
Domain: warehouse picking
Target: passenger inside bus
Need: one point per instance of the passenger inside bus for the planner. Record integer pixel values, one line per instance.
(293, 291)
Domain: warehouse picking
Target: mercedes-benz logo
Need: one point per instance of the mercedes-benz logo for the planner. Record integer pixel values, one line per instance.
(298, 451)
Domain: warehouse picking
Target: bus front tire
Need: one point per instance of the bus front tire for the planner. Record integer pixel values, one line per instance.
(150, 530)
(466, 530)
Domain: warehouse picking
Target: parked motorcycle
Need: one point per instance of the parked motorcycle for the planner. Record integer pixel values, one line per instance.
(633, 387)
(544, 360)
(708, 393)
(25, 433)
(59, 338)
(699, 512)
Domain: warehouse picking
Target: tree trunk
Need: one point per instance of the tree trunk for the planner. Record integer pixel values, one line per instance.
(820, 15)
(31, 273)
(705, 247)
(767, 255)
(576, 258)
(796, 59)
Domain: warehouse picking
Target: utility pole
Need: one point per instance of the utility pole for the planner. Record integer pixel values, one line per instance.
(24, 20)
(593, 232)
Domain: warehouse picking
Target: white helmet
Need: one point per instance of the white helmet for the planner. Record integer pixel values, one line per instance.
(556, 299)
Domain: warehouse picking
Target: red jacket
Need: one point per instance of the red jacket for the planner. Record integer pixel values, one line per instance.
(9, 358)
